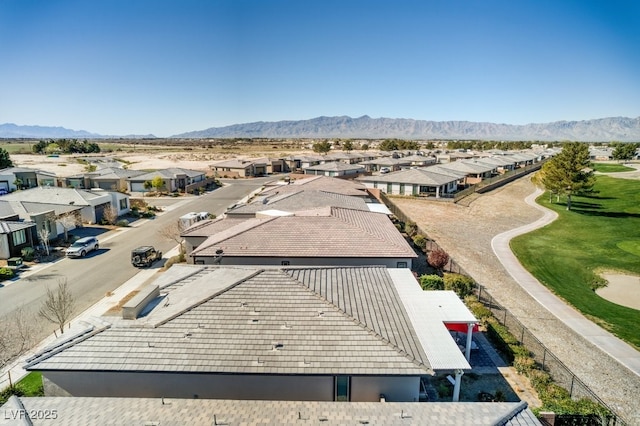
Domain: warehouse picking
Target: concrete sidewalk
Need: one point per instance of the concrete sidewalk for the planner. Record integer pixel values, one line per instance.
(14, 372)
(607, 342)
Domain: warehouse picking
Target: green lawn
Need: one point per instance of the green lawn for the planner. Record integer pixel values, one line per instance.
(610, 168)
(601, 232)
(30, 385)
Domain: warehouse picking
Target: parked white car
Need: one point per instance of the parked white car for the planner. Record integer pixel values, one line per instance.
(82, 246)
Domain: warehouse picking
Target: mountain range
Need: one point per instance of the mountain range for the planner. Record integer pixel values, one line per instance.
(621, 129)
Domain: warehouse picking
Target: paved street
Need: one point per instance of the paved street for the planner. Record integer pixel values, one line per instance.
(92, 277)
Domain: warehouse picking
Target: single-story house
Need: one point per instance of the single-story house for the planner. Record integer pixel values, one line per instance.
(503, 163)
(258, 333)
(75, 411)
(14, 236)
(175, 179)
(14, 178)
(292, 201)
(417, 160)
(474, 170)
(110, 179)
(89, 204)
(419, 181)
(334, 168)
(391, 163)
(319, 183)
(324, 236)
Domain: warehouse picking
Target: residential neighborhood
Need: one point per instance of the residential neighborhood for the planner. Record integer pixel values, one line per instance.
(305, 291)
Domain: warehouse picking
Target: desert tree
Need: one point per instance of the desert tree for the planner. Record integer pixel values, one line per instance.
(569, 171)
(5, 159)
(347, 145)
(321, 147)
(624, 151)
(110, 215)
(68, 221)
(173, 232)
(157, 183)
(43, 236)
(58, 305)
(16, 335)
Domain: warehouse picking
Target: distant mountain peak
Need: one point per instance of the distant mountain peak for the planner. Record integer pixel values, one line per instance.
(621, 129)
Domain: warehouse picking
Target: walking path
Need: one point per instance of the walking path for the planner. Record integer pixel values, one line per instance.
(601, 338)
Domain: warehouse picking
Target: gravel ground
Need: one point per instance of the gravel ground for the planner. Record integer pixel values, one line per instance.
(466, 233)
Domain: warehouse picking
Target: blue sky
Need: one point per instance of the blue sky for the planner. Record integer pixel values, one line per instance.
(120, 67)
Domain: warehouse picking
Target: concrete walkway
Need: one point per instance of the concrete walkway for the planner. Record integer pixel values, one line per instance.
(607, 342)
(15, 372)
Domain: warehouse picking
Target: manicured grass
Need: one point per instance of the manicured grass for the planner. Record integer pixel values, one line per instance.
(601, 232)
(30, 385)
(611, 168)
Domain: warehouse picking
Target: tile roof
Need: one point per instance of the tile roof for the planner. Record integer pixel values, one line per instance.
(164, 411)
(469, 166)
(170, 173)
(330, 232)
(328, 320)
(25, 208)
(322, 183)
(56, 195)
(26, 170)
(7, 227)
(301, 199)
(420, 176)
(334, 166)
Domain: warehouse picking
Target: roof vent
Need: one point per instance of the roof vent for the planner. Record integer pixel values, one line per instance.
(278, 346)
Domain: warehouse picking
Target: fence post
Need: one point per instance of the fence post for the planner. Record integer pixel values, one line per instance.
(544, 357)
(571, 390)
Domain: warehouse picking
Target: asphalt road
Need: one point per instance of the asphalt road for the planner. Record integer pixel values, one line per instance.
(102, 271)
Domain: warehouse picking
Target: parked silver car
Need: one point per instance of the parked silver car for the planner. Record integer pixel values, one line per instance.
(82, 246)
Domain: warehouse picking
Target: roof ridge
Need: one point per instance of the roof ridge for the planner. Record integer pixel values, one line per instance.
(356, 321)
(208, 298)
(229, 232)
(365, 230)
(65, 344)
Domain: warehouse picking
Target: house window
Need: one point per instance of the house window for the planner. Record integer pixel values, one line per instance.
(389, 188)
(402, 189)
(123, 204)
(285, 263)
(401, 265)
(375, 184)
(19, 237)
(342, 388)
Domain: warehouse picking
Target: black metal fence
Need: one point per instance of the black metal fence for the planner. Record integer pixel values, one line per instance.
(547, 361)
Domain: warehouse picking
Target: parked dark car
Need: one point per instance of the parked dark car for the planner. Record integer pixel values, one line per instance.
(145, 256)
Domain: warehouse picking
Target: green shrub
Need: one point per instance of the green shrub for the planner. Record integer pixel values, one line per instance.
(539, 379)
(420, 241)
(461, 284)
(444, 391)
(6, 273)
(28, 253)
(477, 308)
(123, 223)
(431, 282)
(523, 364)
(410, 228)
